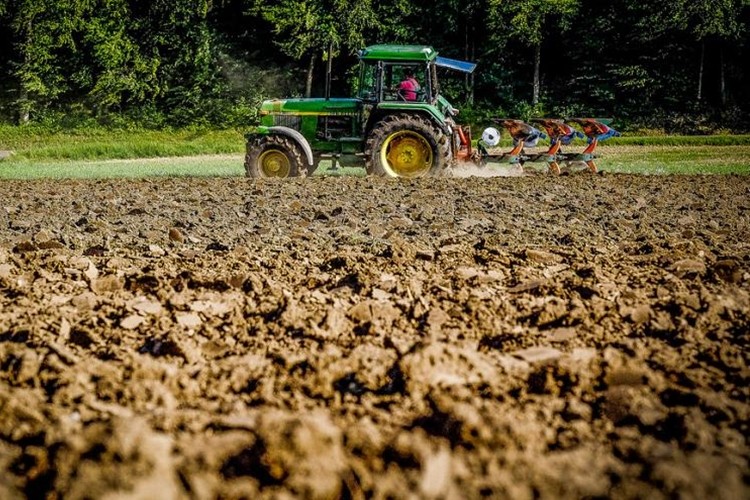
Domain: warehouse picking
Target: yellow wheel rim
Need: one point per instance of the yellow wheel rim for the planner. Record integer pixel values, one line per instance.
(274, 163)
(406, 154)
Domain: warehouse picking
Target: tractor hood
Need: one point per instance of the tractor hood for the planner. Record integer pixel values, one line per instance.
(309, 106)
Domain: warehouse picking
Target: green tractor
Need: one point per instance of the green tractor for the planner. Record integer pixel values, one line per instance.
(389, 128)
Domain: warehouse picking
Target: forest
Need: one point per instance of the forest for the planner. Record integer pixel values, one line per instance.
(667, 67)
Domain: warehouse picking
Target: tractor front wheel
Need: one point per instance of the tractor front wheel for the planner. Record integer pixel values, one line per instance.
(406, 146)
(273, 156)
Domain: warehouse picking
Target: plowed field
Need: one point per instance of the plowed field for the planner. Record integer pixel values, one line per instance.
(516, 337)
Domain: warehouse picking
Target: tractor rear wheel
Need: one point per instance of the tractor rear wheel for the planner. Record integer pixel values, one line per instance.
(408, 146)
(273, 156)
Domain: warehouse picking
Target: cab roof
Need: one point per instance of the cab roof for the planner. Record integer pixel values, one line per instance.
(398, 53)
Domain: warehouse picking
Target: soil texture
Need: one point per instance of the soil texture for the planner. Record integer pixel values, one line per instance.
(519, 337)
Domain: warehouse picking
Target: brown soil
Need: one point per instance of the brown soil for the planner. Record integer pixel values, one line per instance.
(517, 337)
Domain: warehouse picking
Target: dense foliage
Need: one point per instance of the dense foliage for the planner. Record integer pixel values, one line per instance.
(678, 66)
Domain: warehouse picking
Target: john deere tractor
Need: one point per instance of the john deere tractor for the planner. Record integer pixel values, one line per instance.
(384, 129)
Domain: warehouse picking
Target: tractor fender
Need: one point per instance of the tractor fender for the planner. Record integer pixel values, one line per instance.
(295, 136)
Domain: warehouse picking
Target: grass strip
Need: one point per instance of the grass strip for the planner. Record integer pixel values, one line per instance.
(36, 143)
(183, 166)
(33, 144)
(646, 160)
(680, 140)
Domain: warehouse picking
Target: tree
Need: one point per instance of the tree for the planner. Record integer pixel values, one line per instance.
(707, 19)
(308, 28)
(114, 68)
(191, 61)
(72, 48)
(176, 32)
(464, 39)
(43, 33)
(528, 22)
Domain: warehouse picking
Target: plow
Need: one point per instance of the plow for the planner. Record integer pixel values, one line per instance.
(559, 132)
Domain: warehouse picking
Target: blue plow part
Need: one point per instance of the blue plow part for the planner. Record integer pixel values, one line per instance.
(603, 137)
(567, 139)
(463, 66)
(530, 140)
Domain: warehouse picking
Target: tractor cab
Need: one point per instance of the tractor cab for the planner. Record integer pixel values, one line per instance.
(395, 80)
(384, 68)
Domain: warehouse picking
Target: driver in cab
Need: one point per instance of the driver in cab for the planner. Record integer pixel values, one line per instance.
(409, 87)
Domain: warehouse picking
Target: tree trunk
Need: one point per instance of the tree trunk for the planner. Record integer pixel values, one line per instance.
(310, 70)
(469, 51)
(473, 58)
(700, 71)
(723, 78)
(24, 106)
(537, 63)
(329, 62)
(466, 52)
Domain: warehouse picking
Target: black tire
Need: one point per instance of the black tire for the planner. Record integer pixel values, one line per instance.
(422, 136)
(273, 156)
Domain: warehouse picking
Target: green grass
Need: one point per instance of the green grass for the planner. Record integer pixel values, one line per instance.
(39, 144)
(680, 140)
(650, 160)
(101, 154)
(664, 159)
(99, 144)
(675, 159)
(210, 165)
(179, 166)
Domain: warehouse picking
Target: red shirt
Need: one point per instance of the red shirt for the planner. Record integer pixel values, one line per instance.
(409, 88)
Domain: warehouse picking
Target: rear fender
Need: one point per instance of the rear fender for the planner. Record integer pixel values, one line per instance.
(292, 134)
